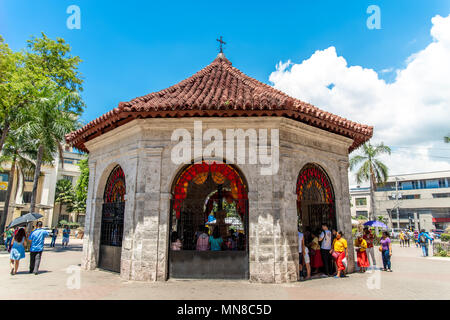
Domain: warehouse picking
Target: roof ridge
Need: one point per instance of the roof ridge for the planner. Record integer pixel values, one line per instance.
(220, 89)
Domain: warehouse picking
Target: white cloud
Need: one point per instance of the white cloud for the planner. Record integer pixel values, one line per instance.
(412, 111)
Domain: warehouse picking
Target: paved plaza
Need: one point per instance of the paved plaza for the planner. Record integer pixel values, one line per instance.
(414, 277)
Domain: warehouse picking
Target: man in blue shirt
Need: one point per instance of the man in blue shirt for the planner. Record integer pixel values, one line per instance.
(423, 241)
(37, 238)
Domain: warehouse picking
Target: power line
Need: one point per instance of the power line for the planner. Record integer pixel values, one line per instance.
(427, 148)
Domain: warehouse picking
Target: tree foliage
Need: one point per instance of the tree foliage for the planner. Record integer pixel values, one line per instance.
(82, 187)
(371, 169)
(64, 194)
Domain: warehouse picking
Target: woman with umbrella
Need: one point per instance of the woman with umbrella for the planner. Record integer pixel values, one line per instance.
(17, 250)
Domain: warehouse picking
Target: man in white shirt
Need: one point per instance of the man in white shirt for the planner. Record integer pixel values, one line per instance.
(325, 248)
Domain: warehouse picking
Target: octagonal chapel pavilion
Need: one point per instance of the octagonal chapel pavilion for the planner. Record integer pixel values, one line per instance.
(148, 214)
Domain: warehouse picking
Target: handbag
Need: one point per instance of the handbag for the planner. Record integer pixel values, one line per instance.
(380, 248)
(335, 254)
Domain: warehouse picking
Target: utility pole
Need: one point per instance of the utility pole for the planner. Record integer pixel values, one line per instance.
(397, 202)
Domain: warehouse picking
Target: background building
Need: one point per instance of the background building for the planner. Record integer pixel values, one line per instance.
(422, 200)
(360, 202)
(23, 184)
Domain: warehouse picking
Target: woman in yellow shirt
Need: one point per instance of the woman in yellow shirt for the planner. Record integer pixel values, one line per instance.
(361, 254)
(339, 252)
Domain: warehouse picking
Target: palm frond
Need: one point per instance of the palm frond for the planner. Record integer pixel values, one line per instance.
(363, 173)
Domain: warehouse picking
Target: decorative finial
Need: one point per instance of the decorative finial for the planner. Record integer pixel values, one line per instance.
(221, 43)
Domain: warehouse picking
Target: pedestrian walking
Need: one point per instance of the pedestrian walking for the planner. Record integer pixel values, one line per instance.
(37, 238)
(407, 238)
(402, 239)
(416, 238)
(361, 254)
(8, 234)
(339, 253)
(423, 241)
(386, 251)
(54, 236)
(66, 235)
(325, 248)
(17, 250)
(369, 237)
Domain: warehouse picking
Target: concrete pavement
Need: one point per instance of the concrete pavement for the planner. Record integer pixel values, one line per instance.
(414, 277)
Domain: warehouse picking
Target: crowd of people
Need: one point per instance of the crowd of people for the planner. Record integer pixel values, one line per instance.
(422, 239)
(205, 240)
(17, 241)
(325, 252)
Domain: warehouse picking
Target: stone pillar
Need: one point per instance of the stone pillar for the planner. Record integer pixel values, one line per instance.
(146, 224)
(286, 248)
(89, 259)
(343, 213)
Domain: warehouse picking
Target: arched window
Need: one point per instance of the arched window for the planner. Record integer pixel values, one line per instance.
(315, 198)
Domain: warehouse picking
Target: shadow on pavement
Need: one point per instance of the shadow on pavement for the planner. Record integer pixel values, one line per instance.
(26, 272)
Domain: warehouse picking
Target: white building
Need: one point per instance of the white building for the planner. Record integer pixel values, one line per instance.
(23, 184)
(422, 200)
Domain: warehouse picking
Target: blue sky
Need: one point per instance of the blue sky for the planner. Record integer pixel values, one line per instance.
(131, 48)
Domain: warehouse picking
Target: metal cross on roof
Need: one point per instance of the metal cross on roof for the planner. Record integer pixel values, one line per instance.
(221, 43)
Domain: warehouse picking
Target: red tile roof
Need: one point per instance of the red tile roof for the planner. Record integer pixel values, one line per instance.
(219, 90)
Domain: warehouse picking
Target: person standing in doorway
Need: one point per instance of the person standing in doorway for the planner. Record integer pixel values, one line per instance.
(303, 256)
(386, 251)
(316, 257)
(66, 235)
(423, 241)
(325, 248)
(54, 236)
(368, 236)
(17, 250)
(37, 238)
(339, 252)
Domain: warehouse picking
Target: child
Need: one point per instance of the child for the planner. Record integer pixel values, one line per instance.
(316, 257)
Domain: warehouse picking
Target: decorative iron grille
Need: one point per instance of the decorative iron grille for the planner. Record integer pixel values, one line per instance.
(112, 224)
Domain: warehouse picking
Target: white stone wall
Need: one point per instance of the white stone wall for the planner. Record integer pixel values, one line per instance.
(143, 149)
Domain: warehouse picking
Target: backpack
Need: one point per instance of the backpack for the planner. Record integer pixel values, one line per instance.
(423, 239)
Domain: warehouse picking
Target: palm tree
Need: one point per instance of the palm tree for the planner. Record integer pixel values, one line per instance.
(47, 122)
(371, 169)
(19, 155)
(64, 194)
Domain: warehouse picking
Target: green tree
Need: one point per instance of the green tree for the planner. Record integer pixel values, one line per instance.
(81, 187)
(447, 139)
(19, 154)
(64, 195)
(25, 75)
(371, 169)
(48, 121)
(14, 88)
